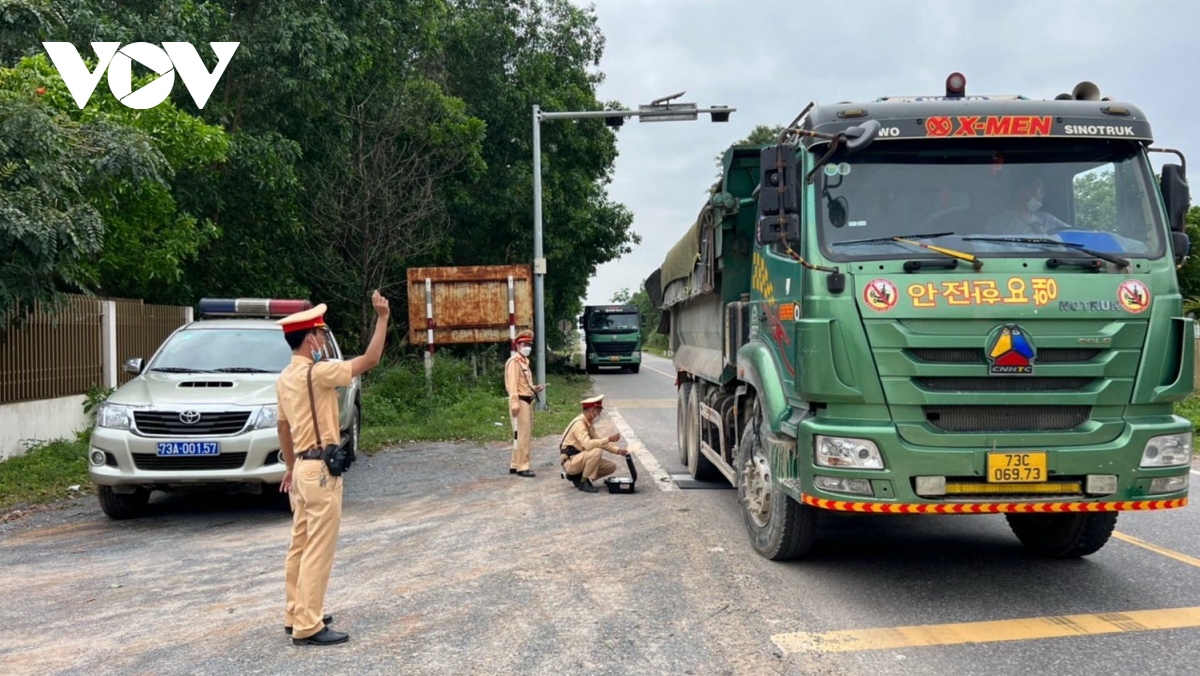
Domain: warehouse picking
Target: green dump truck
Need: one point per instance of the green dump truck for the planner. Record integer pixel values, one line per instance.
(612, 337)
(938, 305)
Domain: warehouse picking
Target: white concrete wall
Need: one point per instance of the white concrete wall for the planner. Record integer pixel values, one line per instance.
(30, 423)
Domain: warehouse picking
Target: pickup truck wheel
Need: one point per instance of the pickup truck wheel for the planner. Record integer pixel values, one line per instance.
(698, 464)
(1063, 536)
(120, 506)
(353, 434)
(683, 395)
(780, 528)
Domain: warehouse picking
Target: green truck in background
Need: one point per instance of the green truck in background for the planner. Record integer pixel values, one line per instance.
(612, 337)
(938, 305)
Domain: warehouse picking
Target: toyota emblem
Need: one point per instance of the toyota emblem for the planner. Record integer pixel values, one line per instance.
(189, 417)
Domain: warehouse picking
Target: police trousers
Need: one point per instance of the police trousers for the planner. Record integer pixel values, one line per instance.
(316, 517)
(590, 464)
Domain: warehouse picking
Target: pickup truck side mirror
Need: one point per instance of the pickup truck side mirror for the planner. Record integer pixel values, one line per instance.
(133, 366)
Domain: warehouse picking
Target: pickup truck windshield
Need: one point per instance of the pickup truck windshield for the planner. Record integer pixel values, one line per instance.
(224, 350)
(614, 323)
(1095, 193)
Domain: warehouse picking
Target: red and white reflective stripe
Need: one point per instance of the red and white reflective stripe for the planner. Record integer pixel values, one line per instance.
(512, 310)
(429, 313)
(992, 507)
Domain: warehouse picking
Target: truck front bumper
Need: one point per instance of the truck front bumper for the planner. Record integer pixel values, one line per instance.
(1110, 471)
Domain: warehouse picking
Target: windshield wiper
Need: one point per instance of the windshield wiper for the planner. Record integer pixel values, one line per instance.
(894, 238)
(241, 369)
(178, 369)
(911, 239)
(1115, 260)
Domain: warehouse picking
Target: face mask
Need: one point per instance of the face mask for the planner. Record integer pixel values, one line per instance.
(525, 350)
(1033, 204)
(317, 355)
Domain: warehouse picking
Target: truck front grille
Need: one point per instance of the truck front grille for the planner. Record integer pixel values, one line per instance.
(613, 349)
(209, 423)
(970, 355)
(1014, 384)
(1006, 418)
(189, 463)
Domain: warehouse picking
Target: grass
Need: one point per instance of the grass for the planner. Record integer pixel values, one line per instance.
(465, 404)
(43, 473)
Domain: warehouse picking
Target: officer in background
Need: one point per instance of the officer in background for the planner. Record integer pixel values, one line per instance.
(581, 449)
(518, 381)
(316, 496)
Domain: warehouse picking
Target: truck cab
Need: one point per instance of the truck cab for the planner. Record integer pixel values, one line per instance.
(939, 304)
(612, 337)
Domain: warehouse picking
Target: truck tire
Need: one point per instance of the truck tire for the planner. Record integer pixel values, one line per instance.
(683, 395)
(1063, 536)
(635, 368)
(699, 465)
(119, 506)
(780, 528)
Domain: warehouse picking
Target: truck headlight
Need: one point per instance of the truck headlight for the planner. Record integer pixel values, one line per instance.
(268, 416)
(114, 416)
(637, 355)
(847, 452)
(1168, 451)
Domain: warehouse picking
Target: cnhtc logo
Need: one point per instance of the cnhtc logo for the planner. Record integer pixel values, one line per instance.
(172, 57)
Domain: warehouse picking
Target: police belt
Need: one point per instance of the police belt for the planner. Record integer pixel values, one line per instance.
(570, 451)
(312, 454)
(527, 400)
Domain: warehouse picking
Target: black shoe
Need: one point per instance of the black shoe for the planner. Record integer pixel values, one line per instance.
(587, 487)
(512, 471)
(326, 636)
(526, 473)
(328, 620)
(573, 478)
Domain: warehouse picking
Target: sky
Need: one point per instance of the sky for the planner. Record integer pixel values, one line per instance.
(770, 58)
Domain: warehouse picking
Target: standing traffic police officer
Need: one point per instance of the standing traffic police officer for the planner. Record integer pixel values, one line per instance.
(308, 406)
(581, 449)
(518, 380)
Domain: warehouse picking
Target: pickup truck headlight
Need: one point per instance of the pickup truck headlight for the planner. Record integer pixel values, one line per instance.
(847, 452)
(268, 416)
(114, 416)
(1168, 451)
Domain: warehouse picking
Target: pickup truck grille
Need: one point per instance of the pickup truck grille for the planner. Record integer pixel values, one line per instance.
(1006, 418)
(209, 423)
(189, 463)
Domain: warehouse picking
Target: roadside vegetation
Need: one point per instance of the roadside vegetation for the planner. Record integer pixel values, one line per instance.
(466, 402)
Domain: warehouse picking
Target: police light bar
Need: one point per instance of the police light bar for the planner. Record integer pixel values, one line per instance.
(252, 307)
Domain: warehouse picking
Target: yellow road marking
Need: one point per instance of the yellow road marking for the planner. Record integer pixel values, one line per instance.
(642, 403)
(988, 632)
(1190, 560)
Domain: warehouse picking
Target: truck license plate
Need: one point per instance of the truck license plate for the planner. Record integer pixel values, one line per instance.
(614, 359)
(188, 448)
(1016, 467)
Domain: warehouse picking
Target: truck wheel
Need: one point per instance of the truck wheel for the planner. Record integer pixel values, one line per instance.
(780, 528)
(120, 506)
(683, 395)
(635, 368)
(592, 369)
(1063, 536)
(698, 464)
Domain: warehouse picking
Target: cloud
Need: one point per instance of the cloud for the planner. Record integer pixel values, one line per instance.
(769, 58)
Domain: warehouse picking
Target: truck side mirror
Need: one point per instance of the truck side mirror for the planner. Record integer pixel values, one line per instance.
(1176, 195)
(1181, 244)
(778, 219)
(582, 325)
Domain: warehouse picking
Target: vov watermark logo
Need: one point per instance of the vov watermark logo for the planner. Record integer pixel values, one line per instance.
(171, 58)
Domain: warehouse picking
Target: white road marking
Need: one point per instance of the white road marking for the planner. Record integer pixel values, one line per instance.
(644, 456)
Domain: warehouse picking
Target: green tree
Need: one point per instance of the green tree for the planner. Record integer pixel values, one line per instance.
(761, 135)
(1096, 200)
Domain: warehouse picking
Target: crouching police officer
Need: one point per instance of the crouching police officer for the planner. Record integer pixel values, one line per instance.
(308, 421)
(581, 450)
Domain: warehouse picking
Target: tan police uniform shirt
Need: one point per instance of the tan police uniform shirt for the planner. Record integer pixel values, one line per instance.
(518, 380)
(294, 408)
(582, 435)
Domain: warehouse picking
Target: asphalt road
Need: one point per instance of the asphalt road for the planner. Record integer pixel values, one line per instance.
(448, 565)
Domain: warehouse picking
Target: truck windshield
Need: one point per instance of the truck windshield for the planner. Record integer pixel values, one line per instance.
(613, 322)
(224, 350)
(1096, 193)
